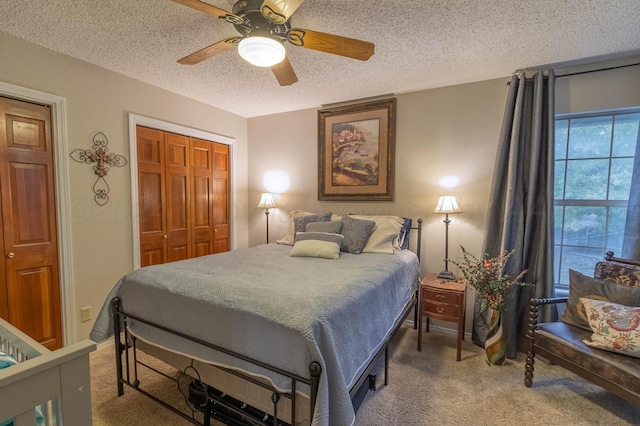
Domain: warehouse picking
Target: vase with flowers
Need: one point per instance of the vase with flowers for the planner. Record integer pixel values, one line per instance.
(488, 278)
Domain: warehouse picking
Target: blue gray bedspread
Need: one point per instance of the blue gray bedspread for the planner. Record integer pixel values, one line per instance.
(281, 310)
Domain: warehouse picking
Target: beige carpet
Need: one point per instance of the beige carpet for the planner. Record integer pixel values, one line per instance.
(425, 388)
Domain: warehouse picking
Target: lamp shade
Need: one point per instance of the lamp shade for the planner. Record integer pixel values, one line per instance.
(266, 201)
(261, 51)
(447, 205)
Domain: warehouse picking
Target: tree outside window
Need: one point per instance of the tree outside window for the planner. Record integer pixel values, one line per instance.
(594, 157)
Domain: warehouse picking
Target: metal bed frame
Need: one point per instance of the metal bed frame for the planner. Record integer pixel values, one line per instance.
(127, 370)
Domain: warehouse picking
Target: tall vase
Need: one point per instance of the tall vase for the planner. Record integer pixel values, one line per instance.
(495, 345)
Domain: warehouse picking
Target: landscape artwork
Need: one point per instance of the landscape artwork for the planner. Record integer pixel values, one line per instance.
(356, 151)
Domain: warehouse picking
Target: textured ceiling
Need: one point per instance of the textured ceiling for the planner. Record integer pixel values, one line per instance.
(419, 44)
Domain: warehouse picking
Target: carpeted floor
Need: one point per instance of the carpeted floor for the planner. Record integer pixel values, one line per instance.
(425, 388)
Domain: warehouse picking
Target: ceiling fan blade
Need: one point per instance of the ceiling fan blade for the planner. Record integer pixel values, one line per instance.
(279, 11)
(209, 51)
(211, 10)
(284, 73)
(329, 43)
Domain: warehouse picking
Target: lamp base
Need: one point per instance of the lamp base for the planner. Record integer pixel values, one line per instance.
(446, 275)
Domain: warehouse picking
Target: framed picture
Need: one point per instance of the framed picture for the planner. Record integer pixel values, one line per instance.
(356, 147)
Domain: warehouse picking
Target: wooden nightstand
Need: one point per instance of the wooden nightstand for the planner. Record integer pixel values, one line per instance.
(442, 300)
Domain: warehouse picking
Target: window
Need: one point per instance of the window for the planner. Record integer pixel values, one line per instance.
(594, 156)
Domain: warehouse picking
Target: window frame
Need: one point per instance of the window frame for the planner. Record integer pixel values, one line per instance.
(562, 289)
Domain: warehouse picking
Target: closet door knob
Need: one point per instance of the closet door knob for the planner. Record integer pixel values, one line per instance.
(166, 237)
(11, 255)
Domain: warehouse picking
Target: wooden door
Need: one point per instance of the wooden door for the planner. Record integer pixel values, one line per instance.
(183, 192)
(151, 196)
(178, 197)
(202, 196)
(221, 204)
(30, 289)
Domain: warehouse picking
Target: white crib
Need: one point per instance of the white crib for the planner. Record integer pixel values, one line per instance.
(55, 384)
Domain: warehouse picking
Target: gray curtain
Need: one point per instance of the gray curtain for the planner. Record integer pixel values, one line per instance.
(520, 215)
(631, 242)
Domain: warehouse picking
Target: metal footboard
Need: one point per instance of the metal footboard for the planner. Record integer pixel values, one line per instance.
(125, 347)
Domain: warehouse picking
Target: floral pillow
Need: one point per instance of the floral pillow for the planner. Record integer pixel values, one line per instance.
(615, 327)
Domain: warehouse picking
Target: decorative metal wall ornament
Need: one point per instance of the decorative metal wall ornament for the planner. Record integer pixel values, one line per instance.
(99, 154)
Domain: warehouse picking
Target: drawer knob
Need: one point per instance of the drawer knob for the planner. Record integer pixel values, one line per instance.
(440, 296)
(439, 310)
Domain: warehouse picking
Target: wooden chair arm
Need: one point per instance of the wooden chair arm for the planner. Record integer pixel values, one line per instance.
(534, 305)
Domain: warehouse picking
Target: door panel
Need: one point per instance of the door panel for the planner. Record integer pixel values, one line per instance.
(178, 198)
(31, 299)
(30, 246)
(202, 196)
(222, 241)
(151, 193)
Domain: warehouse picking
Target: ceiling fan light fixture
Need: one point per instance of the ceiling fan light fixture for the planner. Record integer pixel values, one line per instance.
(261, 51)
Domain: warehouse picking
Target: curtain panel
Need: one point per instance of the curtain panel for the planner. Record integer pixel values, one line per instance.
(520, 215)
(631, 241)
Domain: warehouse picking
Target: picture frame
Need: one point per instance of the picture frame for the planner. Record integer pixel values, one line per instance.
(356, 151)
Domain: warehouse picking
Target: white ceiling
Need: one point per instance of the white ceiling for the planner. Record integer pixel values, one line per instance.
(419, 44)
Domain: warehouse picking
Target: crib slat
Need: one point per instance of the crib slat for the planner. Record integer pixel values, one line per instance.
(76, 388)
(25, 394)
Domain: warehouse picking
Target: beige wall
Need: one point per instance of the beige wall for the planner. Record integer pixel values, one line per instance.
(452, 130)
(99, 100)
(615, 88)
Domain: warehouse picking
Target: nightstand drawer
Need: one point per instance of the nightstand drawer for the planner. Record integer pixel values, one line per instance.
(443, 309)
(441, 296)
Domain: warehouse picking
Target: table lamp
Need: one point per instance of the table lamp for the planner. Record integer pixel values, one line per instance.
(447, 205)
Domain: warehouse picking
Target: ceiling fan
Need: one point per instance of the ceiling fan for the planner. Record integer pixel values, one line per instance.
(264, 27)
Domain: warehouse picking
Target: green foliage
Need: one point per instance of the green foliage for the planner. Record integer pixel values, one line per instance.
(487, 276)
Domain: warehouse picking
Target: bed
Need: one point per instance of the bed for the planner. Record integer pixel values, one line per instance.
(300, 326)
(43, 387)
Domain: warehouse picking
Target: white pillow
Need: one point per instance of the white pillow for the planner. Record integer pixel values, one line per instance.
(385, 237)
(317, 244)
(615, 327)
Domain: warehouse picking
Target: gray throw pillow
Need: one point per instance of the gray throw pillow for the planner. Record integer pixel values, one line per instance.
(356, 233)
(333, 226)
(300, 223)
(591, 288)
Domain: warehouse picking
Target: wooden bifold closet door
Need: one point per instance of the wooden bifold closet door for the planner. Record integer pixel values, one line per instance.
(183, 193)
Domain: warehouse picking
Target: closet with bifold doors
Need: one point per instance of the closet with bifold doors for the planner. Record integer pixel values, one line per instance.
(183, 196)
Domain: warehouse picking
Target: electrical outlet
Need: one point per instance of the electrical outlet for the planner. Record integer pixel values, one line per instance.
(85, 314)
